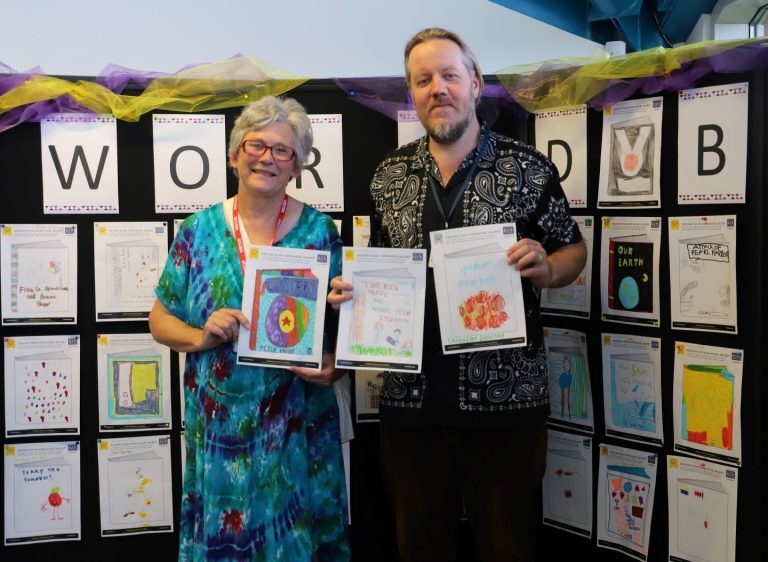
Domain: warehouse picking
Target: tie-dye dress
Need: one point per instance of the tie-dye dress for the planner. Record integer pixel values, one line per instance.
(264, 476)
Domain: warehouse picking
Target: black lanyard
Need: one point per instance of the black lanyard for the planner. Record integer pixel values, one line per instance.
(467, 181)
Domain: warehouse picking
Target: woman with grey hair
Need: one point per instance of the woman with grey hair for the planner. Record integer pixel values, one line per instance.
(264, 477)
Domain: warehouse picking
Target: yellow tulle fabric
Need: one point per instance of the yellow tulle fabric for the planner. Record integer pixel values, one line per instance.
(571, 82)
(231, 83)
(240, 80)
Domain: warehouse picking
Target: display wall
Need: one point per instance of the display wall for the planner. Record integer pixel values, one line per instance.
(367, 136)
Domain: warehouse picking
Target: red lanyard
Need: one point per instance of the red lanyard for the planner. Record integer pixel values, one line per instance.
(239, 236)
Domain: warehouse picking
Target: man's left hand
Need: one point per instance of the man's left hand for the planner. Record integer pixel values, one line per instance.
(325, 376)
(531, 260)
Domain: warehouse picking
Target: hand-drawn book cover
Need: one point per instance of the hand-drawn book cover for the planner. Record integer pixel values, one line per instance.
(135, 485)
(479, 291)
(481, 296)
(630, 273)
(628, 490)
(702, 519)
(382, 327)
(565, 482)
(632, 154)
(43, 384)
(708, 405)
(633, 392)
(136, 488)
(41, 492)
(135, 385)
(284, 304)
(44, 501)
(132, 272)
(40, 277)
(382, 315)
(705, 277)
(569, 389)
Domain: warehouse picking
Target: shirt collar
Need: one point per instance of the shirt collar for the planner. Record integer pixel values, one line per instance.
(430, 163)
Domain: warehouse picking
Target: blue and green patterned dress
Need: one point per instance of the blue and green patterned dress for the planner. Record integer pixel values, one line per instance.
(264, 477)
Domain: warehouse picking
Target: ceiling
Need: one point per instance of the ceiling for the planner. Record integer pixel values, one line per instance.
(641, 24)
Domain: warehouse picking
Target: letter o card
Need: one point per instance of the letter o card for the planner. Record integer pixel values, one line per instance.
(190, 162)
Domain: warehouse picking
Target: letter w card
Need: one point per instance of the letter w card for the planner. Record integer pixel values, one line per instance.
(284, 298)
(481, 297)
(79, 156)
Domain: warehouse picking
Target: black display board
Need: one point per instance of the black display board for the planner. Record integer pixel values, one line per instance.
(368, 135)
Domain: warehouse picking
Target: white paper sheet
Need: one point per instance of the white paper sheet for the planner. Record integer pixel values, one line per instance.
(483, 305)
(702, 273)
(135, 485)
(632, 388)
(38, 273)
(134, 383)
(570, 390)
(128, 260)
(702, 499)
(575, 299)
(712, 144)
(182, 359)
(321, 183)
(567, 483)
(79, 156)
(382, 327)
(190, 160)
(367, 395)
(42, 385)
(707, 401)
(284, 298)
(42, 492)
(630, 157)
(626, 484)
(629, 270)
(561, 134)
(409, 128)
(361, 230)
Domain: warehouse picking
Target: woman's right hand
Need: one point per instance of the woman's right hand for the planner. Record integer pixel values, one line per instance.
(223, 325)
(338, 294)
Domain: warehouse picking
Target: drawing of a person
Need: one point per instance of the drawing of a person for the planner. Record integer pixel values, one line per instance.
(565, 380)
(394, 338)
(378, 327)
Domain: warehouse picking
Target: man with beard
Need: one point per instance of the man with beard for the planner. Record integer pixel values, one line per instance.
(470, 426)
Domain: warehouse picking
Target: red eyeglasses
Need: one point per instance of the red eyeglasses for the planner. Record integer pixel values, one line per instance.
(257, 148)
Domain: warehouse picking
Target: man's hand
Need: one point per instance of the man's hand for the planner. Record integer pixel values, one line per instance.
(338, 294)
(325, 376)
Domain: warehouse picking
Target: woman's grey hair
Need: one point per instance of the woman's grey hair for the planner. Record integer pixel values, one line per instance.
(268, 110)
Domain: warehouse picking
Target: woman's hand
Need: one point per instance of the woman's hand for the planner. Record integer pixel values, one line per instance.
(337, 294)
(325, 376)
(223, 325)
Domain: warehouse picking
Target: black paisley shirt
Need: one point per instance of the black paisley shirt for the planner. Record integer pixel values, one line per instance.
(512, 183)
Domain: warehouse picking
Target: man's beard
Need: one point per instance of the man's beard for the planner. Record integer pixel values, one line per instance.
(449, 133)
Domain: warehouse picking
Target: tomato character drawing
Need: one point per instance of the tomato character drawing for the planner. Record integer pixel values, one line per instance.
(55, 500)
